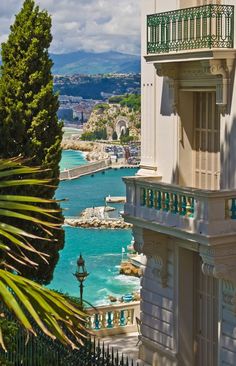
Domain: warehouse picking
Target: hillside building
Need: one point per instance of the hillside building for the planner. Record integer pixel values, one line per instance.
(183, 201)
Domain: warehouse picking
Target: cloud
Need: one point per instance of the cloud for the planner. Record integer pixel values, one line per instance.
(90, 25)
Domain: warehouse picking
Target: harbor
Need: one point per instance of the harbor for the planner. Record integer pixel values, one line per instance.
(101, 247)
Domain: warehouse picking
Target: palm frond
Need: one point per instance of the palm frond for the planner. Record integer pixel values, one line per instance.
(26, 299)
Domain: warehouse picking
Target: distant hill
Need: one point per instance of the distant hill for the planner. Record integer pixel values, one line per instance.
(97, 86)
(81, 62)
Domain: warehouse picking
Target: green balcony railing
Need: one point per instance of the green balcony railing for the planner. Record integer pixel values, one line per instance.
(207, 26)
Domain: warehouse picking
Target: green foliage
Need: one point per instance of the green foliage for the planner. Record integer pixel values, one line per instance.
(21, 296)
(102, 106)
(100, 134)
(9, 329)
(126, 139)
(28, 113)
(115, 99)
(132, 101)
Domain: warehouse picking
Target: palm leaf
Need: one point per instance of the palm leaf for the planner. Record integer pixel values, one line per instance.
(53, 310)
(26, 299)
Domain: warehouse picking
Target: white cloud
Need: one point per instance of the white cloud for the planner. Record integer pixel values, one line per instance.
(91, 25)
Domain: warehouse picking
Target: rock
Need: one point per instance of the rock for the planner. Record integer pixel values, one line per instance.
(112, 298)
(129, 269)
(94, 218)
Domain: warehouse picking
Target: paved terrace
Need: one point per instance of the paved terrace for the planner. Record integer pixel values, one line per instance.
(116, 325)
(126, 344)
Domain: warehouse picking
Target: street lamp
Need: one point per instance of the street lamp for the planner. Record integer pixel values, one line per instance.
(81, 275)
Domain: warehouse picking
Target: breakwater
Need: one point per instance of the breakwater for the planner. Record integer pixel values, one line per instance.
(95, 222)
(85, 169)
(97, 217)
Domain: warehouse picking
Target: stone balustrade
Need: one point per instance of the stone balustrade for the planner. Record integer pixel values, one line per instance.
(193, 210)
(114, 319)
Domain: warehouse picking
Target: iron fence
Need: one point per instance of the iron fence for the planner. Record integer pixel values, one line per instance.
(43, 351)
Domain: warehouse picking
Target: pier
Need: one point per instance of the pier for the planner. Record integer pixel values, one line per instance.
(115, 199)
(92, 168)
(85, 169)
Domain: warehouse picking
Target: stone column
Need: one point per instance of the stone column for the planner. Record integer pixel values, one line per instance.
(148, 164)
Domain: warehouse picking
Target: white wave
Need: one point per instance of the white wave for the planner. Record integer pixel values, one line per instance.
(128, 280)
(103, 290)
(102, 302)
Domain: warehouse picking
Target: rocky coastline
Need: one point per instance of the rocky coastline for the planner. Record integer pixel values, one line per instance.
(129, 269)
(97, 217)
(94, 150)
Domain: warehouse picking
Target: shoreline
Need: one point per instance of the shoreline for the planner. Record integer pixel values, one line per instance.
(97, 218)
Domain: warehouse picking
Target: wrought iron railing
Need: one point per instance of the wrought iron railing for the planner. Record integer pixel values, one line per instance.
(42, 351)
(28, 350)
(207, 26)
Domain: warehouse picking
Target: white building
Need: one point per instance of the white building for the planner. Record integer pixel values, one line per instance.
(183, 203)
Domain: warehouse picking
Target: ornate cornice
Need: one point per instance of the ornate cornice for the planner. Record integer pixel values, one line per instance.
(214, 72)
(156, 247)
(138, 239)
(153, 245)
(219, 261)
(171, 71)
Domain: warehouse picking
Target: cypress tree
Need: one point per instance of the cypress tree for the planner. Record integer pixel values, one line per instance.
(28, 121)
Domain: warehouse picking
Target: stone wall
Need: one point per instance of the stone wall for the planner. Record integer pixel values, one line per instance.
(84, 169)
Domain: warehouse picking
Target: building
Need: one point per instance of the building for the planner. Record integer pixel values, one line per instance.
(183, 201)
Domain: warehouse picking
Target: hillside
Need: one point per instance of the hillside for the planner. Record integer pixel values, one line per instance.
(108, 120)
(81, 62)
(97, 86)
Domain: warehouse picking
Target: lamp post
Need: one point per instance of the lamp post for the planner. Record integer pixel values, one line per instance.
(81, 275)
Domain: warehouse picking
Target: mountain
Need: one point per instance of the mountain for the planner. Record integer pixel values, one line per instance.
(82, 62)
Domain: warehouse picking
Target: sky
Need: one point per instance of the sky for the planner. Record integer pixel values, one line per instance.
(89, 25)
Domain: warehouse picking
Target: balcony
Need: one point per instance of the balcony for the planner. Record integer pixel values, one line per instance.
(114, 319)
(202, 27)
(180, 211)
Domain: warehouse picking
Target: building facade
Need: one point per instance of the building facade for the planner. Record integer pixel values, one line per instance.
(182, 203)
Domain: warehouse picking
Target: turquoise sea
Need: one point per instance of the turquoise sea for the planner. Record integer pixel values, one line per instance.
(101, 249)
(71, 159)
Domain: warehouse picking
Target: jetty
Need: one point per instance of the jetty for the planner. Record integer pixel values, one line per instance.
(91, 168)
(97, 217)
(115, 199)
(85, 169)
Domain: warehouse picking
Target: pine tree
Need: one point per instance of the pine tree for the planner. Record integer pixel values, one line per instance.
(28, 121)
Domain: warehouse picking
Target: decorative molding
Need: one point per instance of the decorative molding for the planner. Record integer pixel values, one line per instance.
(170, 71)
(156, 247)
(222, 69)
(208, 269)
(229, 299)
(219, 261)
(214, 72)
(138, 239)
(229, 293)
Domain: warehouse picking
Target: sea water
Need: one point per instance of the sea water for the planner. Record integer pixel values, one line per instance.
(101, 249)
(71, 159)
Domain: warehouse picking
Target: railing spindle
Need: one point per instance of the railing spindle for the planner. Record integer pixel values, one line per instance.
(233, 209)
(109, 320)
(122, 318)
(203, 26)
